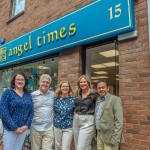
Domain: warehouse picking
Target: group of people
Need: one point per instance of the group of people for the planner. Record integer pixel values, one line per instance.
(60, 116)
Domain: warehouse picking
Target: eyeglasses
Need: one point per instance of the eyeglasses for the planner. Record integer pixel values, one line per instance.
(22, 80)
(45, 82)
(65, 86)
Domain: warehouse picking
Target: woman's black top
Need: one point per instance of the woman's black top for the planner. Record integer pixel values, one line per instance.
(85, 106)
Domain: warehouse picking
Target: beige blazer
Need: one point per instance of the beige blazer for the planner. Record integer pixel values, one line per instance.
(111, 120)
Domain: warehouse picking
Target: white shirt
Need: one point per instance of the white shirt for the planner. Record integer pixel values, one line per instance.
(43, 110)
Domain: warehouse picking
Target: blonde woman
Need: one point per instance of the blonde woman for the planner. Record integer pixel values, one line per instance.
(63, 116)
(83, 124)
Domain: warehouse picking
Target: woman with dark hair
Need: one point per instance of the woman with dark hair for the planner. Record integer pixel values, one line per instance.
(63, 116)
(16, 110)
(83, 123)
(14, 78)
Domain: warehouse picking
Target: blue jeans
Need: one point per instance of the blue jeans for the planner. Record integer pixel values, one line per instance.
(11, 141)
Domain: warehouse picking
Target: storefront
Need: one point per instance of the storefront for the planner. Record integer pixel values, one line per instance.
(39, 51)
(101, 38)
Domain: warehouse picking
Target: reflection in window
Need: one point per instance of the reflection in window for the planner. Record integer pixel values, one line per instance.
(33, 71)
(18, 6)
(102, 63)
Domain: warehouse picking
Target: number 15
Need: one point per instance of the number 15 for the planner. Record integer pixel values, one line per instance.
(116, 12)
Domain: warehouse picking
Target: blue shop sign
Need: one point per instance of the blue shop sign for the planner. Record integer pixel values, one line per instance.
(96, 21)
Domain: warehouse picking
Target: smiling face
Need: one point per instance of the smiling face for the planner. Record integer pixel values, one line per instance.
(44, 85)
(83, 84)
(64, 89)
(19, 82)
(102, 89)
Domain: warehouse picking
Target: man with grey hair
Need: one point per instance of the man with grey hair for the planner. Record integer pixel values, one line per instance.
(42, 124)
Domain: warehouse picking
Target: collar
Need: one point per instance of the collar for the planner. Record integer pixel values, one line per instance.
(39, 92)
(103, 98)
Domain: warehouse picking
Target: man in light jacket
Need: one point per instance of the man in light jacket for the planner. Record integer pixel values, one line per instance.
(108, 118)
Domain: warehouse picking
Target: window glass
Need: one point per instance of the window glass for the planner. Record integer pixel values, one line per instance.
(18, 6)
(33, 71)
(102, 63)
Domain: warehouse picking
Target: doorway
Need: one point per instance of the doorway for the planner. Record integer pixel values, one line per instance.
(102, 63)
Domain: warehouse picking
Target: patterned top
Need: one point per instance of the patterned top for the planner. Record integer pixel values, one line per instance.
(43, 110)
(63, 112)
(16, 111)
(85, 106)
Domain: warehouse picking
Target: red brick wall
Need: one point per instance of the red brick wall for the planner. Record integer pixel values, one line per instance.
(134, 70)
(37, 13)
(70, 65)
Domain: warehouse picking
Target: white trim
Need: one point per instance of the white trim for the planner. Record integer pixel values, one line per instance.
(18, 7)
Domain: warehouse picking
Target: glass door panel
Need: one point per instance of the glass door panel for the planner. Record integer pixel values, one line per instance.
(102, 63)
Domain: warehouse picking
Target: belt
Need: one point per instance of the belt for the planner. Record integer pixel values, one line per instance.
(82, 113)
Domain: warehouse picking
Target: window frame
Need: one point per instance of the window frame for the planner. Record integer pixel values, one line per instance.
(15, 9)
(86, 57)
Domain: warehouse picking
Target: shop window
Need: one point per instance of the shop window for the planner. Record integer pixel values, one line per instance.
(18, 7)
(33, 71)
(102, 63)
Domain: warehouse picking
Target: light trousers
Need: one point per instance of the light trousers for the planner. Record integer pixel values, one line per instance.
(12, 141)
(83, 129)
(41, 140)
(101, 145)
(63, 138)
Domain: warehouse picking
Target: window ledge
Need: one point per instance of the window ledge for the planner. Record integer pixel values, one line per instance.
(14, 17)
